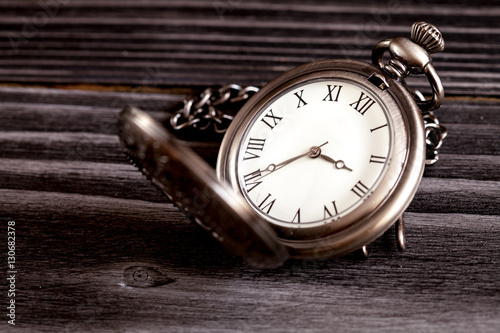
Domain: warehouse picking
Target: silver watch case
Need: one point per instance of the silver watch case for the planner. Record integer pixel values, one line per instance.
(389, 199)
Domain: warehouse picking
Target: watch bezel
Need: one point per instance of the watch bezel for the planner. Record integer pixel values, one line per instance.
(393, 193)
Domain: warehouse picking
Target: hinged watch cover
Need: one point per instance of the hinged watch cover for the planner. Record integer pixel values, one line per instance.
(192, 185)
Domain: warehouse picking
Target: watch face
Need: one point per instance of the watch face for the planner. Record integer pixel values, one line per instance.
(330, 154)
(314, 152)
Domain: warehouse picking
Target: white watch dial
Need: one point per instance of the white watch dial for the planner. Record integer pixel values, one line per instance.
(314, 153)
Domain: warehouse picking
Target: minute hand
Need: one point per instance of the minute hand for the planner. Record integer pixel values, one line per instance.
(338, 164)
(312, 152)
(274, 167)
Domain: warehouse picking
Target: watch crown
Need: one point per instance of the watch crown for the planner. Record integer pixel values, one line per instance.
(427, 36)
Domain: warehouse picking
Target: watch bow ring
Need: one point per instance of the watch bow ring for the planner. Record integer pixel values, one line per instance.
(318, 163)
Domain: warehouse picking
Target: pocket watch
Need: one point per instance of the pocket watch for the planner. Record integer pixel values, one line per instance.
(317, 164)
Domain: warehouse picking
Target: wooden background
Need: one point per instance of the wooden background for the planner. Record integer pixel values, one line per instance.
(100, 249)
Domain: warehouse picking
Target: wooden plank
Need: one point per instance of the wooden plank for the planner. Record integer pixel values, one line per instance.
(107, 179)
(477, 167)
(110, 235)
(96, 96)
(473, 177)
(199, 42)
(92, 147)
(99, 147)
(96, 112)
(441, 195)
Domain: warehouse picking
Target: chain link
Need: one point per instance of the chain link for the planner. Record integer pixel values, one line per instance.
(434, 136)
(206, 111)
(435, 133)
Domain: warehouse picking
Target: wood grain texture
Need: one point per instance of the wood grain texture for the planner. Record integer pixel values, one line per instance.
(100, 249)
(213, 42)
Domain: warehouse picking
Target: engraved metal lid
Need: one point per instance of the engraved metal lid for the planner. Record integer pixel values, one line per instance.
(193, 187)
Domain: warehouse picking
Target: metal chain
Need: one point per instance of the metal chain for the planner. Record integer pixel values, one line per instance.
(434, 136)
(435, 133)
(206, 111)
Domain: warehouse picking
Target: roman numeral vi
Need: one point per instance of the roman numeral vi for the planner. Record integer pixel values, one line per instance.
(326, 211)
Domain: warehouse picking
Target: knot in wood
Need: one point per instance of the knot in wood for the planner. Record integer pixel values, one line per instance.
(144, 277)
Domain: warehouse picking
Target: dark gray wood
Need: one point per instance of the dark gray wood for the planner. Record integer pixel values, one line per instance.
(100, 249)
(444, 281)
(212, 42)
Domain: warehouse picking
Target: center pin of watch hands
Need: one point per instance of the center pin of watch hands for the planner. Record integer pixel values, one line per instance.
(313, 152)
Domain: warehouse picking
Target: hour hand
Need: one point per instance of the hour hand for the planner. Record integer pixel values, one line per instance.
(337, 164)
